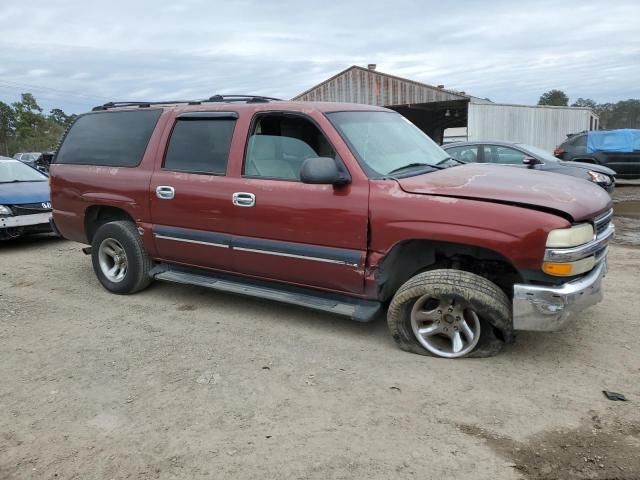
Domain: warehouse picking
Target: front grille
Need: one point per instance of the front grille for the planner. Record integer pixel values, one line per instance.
(603, 221)
(30, 208)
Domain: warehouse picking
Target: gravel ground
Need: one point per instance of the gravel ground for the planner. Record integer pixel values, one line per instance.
(181, 382)
(626, 198)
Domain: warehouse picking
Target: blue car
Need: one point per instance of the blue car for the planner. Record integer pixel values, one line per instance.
(25, 201)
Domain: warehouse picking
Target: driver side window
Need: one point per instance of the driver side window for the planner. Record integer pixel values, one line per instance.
(279, 144)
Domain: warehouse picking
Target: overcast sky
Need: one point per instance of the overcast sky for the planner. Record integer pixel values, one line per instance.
(73, 54)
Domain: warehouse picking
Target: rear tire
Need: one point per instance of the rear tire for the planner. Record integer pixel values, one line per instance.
(119, 259)
(450, 314)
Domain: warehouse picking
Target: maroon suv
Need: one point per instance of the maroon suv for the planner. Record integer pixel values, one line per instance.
(344, 208)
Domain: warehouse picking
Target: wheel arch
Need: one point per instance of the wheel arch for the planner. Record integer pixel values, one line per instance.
(97, 215)
(411, 257)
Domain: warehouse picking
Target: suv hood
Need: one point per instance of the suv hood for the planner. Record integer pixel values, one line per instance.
(568, 196)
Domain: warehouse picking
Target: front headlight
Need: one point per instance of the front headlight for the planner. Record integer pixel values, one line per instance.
(4, 210)
(598, 177)
(570, 237)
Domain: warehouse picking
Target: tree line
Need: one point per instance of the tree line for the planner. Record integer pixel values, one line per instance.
(623, 114)
(24, 127)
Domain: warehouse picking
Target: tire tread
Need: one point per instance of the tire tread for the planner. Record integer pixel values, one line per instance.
(482, 293)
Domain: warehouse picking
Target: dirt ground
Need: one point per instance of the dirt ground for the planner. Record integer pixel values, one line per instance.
(626, 199)
(181, 382)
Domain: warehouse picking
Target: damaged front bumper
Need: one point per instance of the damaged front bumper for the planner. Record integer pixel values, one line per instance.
(550, 308)
(25, 220)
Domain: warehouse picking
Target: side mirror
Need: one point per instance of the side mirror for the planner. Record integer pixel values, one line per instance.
(323, 171)
(530, 162)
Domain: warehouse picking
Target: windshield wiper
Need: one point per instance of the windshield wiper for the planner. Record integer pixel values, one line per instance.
(451, 158)
(413, 165)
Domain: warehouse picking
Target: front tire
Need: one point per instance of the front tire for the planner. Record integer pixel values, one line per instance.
(119, 259)
(450, 314)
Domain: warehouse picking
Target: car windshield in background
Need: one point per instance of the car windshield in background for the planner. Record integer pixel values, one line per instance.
(16, 171)
(387, 142)
(538, 152)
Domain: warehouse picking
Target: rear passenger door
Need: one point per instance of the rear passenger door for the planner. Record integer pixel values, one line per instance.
(190, 195)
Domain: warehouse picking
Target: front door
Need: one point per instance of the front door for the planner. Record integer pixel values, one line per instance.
(190, 194)
(285, 230)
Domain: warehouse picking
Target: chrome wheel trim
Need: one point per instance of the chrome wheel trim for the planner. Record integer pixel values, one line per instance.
(113, 260)
(446, 326)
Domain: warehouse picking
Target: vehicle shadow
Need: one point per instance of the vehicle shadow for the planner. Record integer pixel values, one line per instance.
(29, 242)
(271, 311)
(538, 346)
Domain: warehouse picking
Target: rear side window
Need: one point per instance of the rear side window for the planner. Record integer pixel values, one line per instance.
(200, 145)
(116, 139)
(581, 141)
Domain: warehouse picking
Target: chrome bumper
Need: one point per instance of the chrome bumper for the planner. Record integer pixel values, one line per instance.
(25, 220)
(550, 308)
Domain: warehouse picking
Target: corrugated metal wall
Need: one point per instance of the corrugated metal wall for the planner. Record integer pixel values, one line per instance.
(544, 127)
(360, 85)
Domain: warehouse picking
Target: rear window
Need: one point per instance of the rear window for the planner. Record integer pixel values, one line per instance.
(580, 141)
(200, 145)
(116, 139)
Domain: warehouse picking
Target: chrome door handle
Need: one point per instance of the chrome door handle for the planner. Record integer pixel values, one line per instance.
(244, 199)
(165, 192)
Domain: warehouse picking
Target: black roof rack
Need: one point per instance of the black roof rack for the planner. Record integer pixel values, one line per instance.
(214, 98)
(242, 98)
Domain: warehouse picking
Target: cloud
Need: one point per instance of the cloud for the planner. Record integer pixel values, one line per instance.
(80, 55)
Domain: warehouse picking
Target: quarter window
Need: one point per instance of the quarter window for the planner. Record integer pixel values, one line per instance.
(200, 145)
(115, 139)
(279, 144)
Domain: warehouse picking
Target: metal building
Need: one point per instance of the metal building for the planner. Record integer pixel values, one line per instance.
(447, 115)
(542, 126)
(431, 108)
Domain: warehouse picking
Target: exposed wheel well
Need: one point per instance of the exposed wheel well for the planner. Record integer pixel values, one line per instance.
(97, 215)
(411, 257)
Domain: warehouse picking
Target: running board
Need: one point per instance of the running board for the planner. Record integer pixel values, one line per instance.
(356, 309)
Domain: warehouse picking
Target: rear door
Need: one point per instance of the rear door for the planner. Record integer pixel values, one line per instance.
(190, 195)
(285, 230)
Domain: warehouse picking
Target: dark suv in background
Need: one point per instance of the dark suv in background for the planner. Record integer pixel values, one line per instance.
(617, 149)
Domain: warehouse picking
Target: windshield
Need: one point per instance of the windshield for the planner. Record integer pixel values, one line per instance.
(387, 142)
(538, 152)
(16, 171)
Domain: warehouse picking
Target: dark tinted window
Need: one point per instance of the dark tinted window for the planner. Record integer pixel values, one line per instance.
(116, 139)
(200, 146)
(580, 141)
